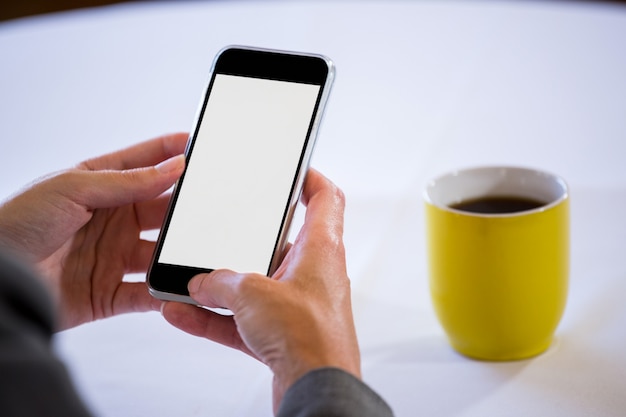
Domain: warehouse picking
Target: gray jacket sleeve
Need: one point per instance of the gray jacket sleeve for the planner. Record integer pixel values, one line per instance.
(33, 382)
(331, 392)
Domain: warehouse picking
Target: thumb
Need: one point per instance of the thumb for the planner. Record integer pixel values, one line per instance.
(213, 289)
(223, 288)
(112, 188)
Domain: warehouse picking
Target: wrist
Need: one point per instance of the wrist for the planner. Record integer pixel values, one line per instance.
(291, 368)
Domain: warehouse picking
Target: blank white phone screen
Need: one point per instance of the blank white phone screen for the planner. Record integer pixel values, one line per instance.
(236, 188)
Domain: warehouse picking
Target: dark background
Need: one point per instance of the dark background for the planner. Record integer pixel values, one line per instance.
(13, 9)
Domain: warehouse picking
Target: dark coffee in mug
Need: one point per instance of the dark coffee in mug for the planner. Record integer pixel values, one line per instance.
(498, 204)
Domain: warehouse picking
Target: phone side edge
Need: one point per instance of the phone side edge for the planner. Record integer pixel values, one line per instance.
(279, 253)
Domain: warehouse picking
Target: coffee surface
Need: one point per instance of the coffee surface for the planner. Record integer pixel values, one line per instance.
(498, 205)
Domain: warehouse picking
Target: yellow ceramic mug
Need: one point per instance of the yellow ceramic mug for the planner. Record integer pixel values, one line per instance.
(498, 280)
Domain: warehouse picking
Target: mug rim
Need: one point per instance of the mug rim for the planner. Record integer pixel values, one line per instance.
(502, 170)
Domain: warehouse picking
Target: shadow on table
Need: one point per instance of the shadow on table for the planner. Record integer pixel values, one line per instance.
(426, 376)
(581, 374)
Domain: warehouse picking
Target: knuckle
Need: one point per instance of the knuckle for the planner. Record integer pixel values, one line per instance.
(253, 287)
(340, 196)
(70, 181)
(247, 283)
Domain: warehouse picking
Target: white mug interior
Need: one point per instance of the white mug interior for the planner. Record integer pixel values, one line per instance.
(469, 184)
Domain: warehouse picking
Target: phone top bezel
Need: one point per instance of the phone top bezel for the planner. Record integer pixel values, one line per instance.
(273, 65)
(252, 62)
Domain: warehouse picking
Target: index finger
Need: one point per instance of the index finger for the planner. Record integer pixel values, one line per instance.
(143, 154)
(325, 204)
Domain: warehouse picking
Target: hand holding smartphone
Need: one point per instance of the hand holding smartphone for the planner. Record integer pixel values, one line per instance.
(246, 160)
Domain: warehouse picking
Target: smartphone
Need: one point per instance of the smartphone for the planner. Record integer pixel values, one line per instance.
(247, 158)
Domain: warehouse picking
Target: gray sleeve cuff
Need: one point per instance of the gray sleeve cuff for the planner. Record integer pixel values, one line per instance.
(331, 392)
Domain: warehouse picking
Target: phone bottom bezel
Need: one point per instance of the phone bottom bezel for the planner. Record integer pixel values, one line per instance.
(169, 282)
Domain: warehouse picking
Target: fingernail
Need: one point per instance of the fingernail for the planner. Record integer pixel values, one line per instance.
(172, 164)
(195, 282)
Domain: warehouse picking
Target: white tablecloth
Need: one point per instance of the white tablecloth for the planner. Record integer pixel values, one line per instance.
(422, 88)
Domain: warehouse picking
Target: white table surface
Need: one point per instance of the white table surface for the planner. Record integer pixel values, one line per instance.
(422, 88)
